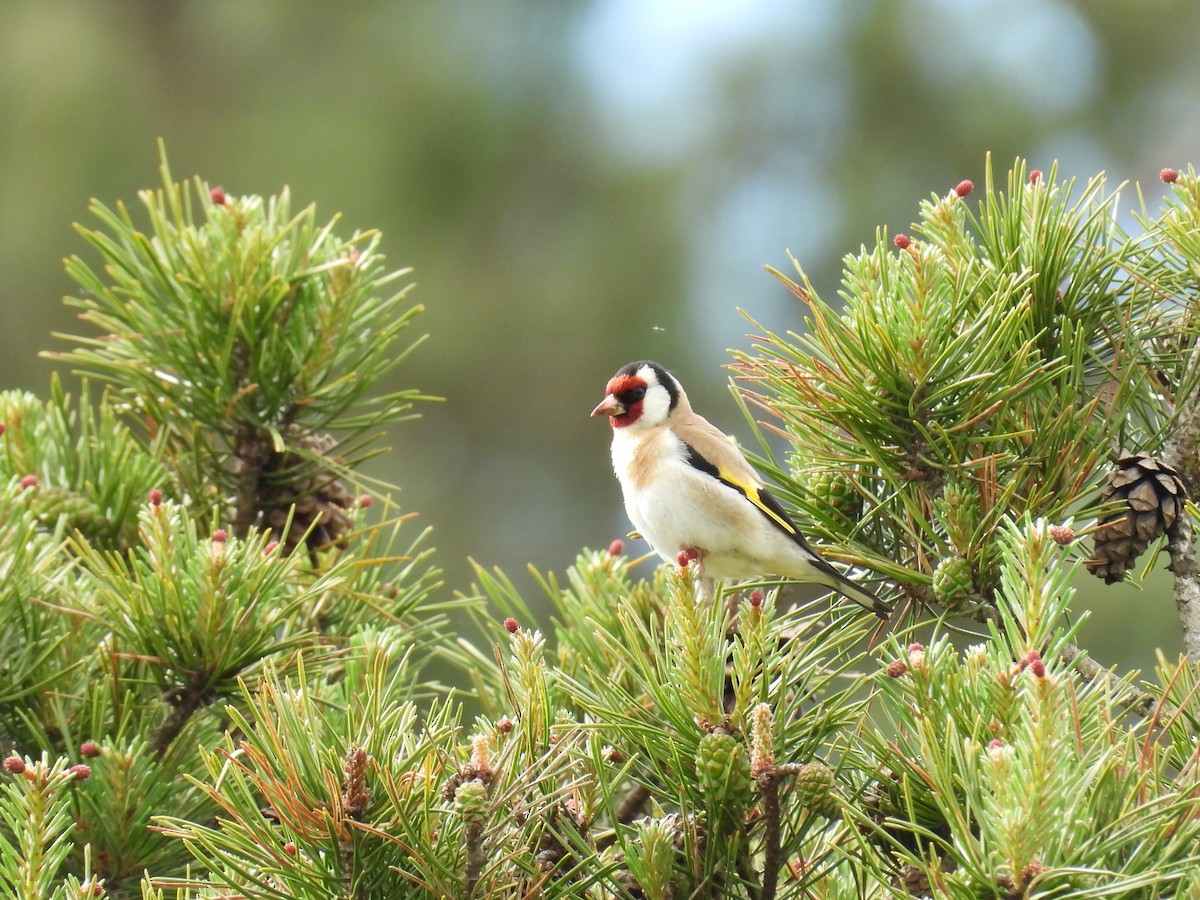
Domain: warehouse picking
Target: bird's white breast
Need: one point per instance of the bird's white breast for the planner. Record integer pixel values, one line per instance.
(676, 506)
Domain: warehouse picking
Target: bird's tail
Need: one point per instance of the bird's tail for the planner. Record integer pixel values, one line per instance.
(853, 591)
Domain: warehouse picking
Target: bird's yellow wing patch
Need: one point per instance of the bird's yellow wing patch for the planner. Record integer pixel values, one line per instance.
(748, 488)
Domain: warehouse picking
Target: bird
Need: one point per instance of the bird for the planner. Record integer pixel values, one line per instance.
(691, 494)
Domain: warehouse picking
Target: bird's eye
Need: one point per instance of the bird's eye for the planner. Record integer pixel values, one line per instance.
(633, 395)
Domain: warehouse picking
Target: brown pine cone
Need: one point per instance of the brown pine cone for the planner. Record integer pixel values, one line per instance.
(1152, 496)
(321, 500)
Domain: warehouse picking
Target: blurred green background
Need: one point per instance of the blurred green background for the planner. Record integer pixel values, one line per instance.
(577, 184)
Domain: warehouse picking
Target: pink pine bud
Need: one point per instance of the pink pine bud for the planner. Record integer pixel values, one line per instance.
(998, 751)
(1035, 175)
(217, 196)
(29, 481)
(686, 558)
(902, 241)
(14, 765)
(1169, 176)
(220, 536)
(80, 772)
(365, 501)
(89, 749)
(505, 725)
(616, 548)
(156, 497)
(2, 428)
(271, 547)
(916, 655)
(1038, 668)
(510, 625)
(289, 848)
(964, 187)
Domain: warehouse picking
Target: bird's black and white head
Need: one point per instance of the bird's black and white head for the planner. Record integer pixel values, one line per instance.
(641, 395)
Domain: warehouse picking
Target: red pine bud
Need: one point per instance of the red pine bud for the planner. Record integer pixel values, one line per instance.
(14, 765)
(270, 548)
(29, 481)
(89, 749)
(217, 195)
(2, 428)
(902, 241)
(505, 725)
(1032, 658)
(896, 668)
(1038, 668)
(510, 625)
(616, 548)
(289, 848)
(365, 501)
(686, 558)
(220, 536)
(756, 599)
(156, 497)
(80, 772)
(1035, 175)
(964, 187)
(1169, 176)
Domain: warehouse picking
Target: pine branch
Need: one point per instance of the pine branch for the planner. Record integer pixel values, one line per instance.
(185, 702)
(773, 861)
(1180, 452)
(1139, 702)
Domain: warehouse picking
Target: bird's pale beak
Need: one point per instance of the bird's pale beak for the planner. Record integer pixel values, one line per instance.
(609, 406)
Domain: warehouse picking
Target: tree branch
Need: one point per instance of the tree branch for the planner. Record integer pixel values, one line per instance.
(1179, 452)
(1135, 700)
(773, 861)
(185, 702)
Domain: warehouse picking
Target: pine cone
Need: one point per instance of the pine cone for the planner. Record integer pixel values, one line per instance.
(81, 513)
(815, 789)
(319, 497)
(724, 769)
(834, 489)
(1152, 495)
(471, 801)
(953, 582)
(914, 881)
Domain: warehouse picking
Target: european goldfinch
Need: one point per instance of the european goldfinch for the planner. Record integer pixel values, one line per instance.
(688, 489)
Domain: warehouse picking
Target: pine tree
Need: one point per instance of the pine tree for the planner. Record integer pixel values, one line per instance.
(217, 673)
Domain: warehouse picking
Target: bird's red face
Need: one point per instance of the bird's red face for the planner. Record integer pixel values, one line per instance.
(624, 400)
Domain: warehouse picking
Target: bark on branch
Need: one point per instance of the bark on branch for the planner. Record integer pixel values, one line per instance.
(1180, 452)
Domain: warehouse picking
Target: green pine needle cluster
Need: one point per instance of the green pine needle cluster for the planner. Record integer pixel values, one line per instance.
(240, 333)
(986, 367)
(1000, 772)
(89, 467)
(227, 673)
